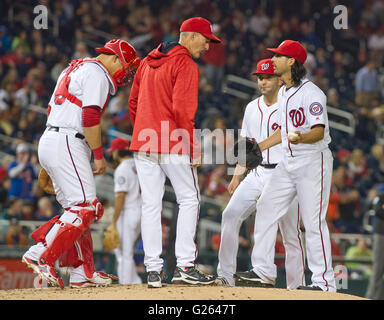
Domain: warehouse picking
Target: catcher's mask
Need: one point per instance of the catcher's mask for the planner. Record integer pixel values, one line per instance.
(128, 57)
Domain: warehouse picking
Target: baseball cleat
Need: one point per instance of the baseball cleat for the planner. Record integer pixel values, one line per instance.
(156, 279)
(101, 279)
(46, 272)
(251, 277)
(190, 275)
(107, 276)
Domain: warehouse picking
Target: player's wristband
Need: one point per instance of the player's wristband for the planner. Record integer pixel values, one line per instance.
(98, 153)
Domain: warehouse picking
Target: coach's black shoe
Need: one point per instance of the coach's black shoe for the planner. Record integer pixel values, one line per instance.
(251, 277)
(190, 275)
(156, 279)
(312, 287)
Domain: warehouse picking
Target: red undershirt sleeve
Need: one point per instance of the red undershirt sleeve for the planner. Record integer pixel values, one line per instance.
(91, 116)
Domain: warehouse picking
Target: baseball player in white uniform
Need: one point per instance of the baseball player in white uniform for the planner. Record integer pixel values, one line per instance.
(305, 171)
(65, 148)
(127, 213)
(260, 121)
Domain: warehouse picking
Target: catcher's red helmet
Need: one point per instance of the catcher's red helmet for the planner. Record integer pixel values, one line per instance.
(128, 57)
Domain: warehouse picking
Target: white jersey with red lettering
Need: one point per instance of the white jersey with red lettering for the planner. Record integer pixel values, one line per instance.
(305, 172)
(128, 223)
(62, 152)
(302, 108)
(91, 84)
(259, 122)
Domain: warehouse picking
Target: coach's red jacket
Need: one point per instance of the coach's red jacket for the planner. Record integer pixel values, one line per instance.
(163, 102)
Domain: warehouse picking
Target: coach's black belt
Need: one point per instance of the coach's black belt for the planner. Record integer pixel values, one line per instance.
(269, 166)
(57, 129)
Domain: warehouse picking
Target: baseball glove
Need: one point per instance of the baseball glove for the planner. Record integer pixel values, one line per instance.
(45, 182)
(111, 238)
(248, 153)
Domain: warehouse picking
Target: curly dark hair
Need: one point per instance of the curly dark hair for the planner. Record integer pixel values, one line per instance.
(297, 73)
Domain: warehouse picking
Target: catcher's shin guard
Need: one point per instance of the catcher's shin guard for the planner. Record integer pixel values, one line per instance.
(81, 253)
(70, 258)
(64, 233)
(86, 250)
(40, 233)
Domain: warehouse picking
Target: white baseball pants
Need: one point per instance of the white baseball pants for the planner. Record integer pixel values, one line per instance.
(67, 161)
(128, 227)
(239, 208)
(308, 177)
(152, 170)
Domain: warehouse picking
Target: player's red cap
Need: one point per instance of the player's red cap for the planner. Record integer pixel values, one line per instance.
(119, 144)
(291, 49)
(128, 58)
(264, 66)
(199, 25)
(123, 50)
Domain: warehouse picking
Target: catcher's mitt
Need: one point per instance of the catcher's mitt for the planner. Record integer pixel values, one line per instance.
(248, 153)
(45, 182)
(111, 238)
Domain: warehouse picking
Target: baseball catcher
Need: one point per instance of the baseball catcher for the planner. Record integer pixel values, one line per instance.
(72, 137)
(248, 153)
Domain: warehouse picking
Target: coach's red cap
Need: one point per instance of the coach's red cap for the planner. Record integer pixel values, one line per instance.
(199, 25)
(264, 66)
(291, 49)
(119, 144)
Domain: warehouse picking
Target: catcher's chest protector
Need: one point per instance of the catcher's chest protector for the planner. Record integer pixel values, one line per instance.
(62, 93)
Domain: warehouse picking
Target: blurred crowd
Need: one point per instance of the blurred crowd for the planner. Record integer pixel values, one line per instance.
(347, 64)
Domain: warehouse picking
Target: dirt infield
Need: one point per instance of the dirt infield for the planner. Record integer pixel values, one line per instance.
(170, 292)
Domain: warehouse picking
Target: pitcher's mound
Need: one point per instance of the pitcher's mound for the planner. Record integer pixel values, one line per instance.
(171, 292)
